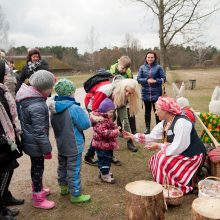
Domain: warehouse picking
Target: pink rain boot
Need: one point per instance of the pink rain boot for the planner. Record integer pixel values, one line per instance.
(39, 201)
(46, 190)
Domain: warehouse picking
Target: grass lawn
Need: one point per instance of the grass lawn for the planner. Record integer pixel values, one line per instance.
(108, 201)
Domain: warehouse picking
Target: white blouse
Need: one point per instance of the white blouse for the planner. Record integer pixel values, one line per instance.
(181, 141)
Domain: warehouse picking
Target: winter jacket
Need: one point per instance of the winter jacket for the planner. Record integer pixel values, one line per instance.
(34, 118)
(97, 94)
(105, 131)
(27, 72)
(151, 92)
(68, 120)
(114, 70)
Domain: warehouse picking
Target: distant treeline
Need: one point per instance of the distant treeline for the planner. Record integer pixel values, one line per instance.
(177, 56)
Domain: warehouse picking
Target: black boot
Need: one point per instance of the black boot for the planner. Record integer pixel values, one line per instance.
(132, 123)
(131, 146)
(8, 200)
(12, 212)
(5, 215)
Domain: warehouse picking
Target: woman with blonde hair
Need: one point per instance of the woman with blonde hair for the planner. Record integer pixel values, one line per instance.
(127, 91)
(123, 92)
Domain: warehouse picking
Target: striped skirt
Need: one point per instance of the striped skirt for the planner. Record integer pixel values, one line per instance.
(177, 169)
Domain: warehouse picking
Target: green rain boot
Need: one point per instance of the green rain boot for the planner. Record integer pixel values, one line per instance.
(81, 198)
(64, 190)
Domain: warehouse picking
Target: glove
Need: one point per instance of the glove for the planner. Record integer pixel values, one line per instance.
(48, 156)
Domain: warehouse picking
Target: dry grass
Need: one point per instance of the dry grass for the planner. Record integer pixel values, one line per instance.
(108, 201)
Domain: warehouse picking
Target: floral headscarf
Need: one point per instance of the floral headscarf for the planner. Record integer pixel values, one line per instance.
(169, 105)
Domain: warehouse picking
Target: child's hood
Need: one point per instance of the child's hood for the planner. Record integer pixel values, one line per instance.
(58, 104)
(26, 92)
(97, 117)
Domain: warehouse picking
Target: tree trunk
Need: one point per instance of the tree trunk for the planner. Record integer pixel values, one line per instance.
(161, 36)
(144, 200)
(206, 209)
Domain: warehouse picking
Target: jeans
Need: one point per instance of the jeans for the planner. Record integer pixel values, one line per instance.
(104, 160)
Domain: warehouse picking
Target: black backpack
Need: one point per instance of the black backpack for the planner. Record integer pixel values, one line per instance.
(100, 76)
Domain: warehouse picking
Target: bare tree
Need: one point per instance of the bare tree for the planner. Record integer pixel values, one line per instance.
(200, 52)
(4, 28)
(177, 17)
(132, 46)
(92, 40)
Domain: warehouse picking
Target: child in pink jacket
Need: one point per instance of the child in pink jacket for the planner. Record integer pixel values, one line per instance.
(105, 137)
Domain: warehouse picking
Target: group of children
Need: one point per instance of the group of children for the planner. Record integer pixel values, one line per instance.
(69, 121)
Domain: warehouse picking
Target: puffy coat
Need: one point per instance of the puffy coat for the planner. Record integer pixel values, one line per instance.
(105, 132)
(34, 121)
(151, 92)
(68, 120)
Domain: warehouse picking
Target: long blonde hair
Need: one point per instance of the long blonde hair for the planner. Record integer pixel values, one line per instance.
(119, 94)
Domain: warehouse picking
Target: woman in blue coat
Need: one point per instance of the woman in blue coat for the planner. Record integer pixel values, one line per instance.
(150, 76)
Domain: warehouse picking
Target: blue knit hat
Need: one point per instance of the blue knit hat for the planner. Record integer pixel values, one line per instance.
(106, 105)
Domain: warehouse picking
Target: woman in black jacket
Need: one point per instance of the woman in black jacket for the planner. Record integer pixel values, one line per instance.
(9, 148)
(34, 63)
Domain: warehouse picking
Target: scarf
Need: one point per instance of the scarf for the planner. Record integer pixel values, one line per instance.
(11, 102)
(33, 66)
(7, 124)
(169, 105)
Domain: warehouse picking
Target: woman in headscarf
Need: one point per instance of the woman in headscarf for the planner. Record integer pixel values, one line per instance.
(181, 151)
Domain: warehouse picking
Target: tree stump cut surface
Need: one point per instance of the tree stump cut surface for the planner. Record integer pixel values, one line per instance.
(144, 201)
(206, 209)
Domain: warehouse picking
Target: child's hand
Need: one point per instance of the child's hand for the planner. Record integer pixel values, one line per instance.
(127, 135)
(48, 156)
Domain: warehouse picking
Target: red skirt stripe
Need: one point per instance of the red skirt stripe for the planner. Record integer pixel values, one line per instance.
(177, 169)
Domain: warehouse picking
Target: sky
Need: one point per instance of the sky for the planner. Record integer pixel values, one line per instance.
(39, 23)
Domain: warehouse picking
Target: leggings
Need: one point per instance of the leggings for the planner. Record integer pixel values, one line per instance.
(37, 170)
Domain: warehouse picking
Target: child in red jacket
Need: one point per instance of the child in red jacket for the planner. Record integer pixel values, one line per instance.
(105, 137)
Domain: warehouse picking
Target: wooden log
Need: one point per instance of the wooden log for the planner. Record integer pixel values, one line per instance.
(206, 209)
(144, 200)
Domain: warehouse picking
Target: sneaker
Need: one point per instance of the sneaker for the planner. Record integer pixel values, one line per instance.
(81, 198)
(107, 178)
(64, 190)
(91, 161)
(111, 174)
(116, 161)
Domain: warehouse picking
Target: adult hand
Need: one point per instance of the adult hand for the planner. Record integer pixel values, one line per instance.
(151, 81)
(152, 146)
(48, 156)
(127, 135)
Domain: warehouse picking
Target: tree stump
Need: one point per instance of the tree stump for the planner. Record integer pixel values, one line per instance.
(144, 201)
(206, 209)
